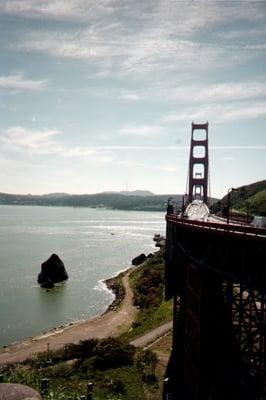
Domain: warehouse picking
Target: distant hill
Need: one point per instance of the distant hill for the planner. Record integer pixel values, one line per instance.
(56, 195)
(251, 198)
(143, 193)
(109, 200)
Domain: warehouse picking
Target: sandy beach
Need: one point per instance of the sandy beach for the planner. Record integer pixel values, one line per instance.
(111, 323)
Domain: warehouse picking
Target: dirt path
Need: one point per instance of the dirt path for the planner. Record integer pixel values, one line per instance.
(112, 323)
(153, 335)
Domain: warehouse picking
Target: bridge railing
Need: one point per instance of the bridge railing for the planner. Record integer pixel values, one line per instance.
(232, 229)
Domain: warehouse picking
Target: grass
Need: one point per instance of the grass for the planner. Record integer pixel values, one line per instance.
(147, 283)
(162, 348)
(109, 363)
(149, 319)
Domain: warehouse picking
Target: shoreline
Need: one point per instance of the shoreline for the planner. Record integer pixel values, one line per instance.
(115, 286)
(110, 284)
(117, 317)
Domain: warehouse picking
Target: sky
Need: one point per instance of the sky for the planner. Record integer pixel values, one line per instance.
(100, 95)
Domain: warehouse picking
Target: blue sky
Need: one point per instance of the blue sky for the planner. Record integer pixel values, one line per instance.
(100, 95)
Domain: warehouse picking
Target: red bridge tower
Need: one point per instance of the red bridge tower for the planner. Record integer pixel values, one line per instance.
(198, 164)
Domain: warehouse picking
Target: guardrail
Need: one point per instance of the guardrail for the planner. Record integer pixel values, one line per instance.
(225, 228)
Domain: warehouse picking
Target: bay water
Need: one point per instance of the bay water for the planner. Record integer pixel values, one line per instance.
(94, 244)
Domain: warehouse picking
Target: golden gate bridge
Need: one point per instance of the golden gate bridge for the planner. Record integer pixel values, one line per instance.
(216, 274)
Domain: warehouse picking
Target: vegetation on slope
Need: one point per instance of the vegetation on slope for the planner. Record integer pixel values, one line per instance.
(249, 198)
(256, 204)
(147, 282)
(115, 367)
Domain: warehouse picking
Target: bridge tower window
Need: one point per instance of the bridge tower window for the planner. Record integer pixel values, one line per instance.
(199, 133)
(198, 171)
(199, 151)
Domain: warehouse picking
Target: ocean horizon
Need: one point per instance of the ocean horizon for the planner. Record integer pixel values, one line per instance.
(94, 244)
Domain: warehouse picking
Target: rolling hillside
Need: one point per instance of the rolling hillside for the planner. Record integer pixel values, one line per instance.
(249, 198)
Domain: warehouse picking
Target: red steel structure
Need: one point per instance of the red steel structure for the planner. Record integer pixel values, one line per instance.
(198, 163)
(216, 274)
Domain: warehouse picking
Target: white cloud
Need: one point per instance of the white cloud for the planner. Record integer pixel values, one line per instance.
(142, 130)
(248, 111)
(219, 92)
(129, 95)
(151, 167)
(30, 140)
(43, 142)
(248, 33)
(190, 93)
(239, 147)
(56, 9)
(219, 113)
(229, 91)
(18, 82)
(143, 41)
(133, 55)
(99, 155)
(186, 16)
(189, 16)
(180, 148)
(141, 147)
(169, 168)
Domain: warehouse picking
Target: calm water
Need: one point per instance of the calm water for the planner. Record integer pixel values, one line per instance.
(94, 244)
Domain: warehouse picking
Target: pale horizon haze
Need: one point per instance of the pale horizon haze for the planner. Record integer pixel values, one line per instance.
(100, 95)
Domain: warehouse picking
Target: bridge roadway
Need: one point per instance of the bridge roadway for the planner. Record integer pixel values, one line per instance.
(210, 223)
(231, 249)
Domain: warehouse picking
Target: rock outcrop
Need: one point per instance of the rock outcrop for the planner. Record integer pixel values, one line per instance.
(15, 391)
(139, 259)
(52, 271)
(159, 240)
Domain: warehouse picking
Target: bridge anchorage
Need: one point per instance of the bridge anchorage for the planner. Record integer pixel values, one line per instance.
(216, 274)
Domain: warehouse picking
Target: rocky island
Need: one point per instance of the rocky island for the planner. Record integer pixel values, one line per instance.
(52, 271)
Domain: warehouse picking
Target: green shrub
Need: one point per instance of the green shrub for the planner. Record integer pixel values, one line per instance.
(61, 370)
(113, 353)
(149, 287)
(146, 361)
(86, 366)
(84, 349)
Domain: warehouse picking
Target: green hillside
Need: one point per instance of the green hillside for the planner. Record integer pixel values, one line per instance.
(249, 198)
(257, 203)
